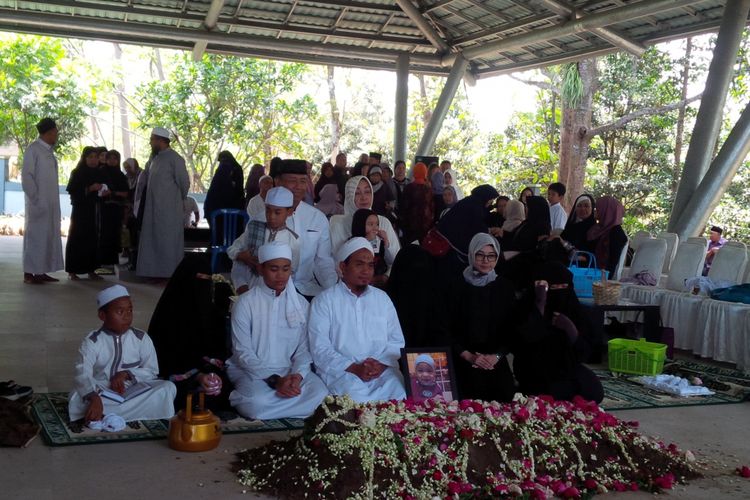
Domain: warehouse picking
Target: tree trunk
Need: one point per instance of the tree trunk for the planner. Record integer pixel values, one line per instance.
(123, 106)
(427, 113)
(157, 63)
(574, 139)
(335, 117)
(681, 116)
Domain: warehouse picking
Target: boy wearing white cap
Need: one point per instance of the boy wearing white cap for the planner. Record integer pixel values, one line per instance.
(244, 251)
(355, 336)
(115, 357)
(270, 365)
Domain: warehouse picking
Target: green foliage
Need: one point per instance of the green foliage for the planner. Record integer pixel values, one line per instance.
(571, 87)
(244, 105)
(36, 82)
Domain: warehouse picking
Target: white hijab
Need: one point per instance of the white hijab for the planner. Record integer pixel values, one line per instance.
(515, 213)
(454, 183)
(471, 275)
(341, 225)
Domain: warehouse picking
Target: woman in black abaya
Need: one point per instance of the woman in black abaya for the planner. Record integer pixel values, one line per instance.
(81, 250)
(189, 329)
(556, 341)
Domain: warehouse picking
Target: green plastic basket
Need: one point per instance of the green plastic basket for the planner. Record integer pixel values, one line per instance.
(636, 356)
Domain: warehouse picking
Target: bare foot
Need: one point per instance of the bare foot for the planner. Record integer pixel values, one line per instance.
(95, 277)
(73, 277)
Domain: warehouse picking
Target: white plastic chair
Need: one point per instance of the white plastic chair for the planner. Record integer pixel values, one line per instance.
(729, 262)
(650, 257)
(687, 263)
(638, 237)
(621, 262)
(698, 239)
(672, 240)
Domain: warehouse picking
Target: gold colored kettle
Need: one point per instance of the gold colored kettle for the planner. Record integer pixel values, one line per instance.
(194, 430)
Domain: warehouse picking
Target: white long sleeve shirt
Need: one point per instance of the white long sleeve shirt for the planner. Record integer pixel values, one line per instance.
(102, 354)
(263, 342)
(345, 328)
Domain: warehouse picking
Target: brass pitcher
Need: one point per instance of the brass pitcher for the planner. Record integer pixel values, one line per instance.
(194, 430)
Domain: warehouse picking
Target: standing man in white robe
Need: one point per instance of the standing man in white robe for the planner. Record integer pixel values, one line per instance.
(355, 336)
(42, 245)
(114, 357)
(270, 365)
(161, 245)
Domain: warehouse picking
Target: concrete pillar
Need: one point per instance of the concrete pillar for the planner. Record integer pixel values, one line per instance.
(716, 181)
(444, 103)
(708, 121)
(401, 108)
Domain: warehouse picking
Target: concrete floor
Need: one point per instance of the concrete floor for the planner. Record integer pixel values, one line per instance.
(41, 328)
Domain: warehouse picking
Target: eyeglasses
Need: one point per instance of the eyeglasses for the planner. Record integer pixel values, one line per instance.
(488, 257)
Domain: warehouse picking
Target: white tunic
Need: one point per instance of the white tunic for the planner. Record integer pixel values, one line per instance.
(558, 217)
(101, 355)
(345, 328)
(316, 270)
(256, 206)
(269, 338)
(42, 245)
(241, 273)
(162, 241)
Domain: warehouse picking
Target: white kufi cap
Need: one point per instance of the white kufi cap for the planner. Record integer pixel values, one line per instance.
(109, 294)
(280, 197)
(274, 250)
(352, 245)
(161, 132)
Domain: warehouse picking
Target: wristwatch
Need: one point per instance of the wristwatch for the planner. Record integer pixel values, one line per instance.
(272, 381)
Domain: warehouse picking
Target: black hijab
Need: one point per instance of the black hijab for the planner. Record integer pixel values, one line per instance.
(468, 217)
(412, 287)
(190, 319)
(537, 224)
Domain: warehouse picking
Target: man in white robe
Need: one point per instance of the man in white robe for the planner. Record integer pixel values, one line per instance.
(161, 245)
(42, 245)
(115, 357)
(355, 336)
(270, 365)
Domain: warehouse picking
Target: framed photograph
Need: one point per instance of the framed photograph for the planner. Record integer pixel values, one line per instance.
(428, 373)
(427, 160)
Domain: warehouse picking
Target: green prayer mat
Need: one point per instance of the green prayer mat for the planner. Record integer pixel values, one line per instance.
(51, 411)
(623, 392)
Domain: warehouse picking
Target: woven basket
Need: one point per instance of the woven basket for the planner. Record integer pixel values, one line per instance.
(606, 292)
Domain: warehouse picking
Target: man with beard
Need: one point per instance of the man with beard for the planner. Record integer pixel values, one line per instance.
(162, 241)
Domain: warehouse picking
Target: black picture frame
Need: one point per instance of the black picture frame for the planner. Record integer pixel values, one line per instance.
(445, 373)
(427, 160)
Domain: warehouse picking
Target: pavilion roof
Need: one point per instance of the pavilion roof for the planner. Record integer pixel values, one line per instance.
(496, 36)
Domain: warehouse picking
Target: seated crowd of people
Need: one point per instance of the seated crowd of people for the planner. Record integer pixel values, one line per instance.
(324, 300)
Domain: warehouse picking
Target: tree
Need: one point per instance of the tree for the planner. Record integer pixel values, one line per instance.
(35, 82)
(223, 102)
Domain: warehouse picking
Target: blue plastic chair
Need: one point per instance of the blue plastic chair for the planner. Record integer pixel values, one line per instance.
(230, 218)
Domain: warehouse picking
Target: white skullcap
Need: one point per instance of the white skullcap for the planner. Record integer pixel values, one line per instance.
(425, 358)
(161, 132)
(352, 245)
(109, 294)
(274, 250)
(280, 197)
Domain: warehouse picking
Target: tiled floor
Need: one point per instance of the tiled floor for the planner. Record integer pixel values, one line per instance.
(42, 326)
